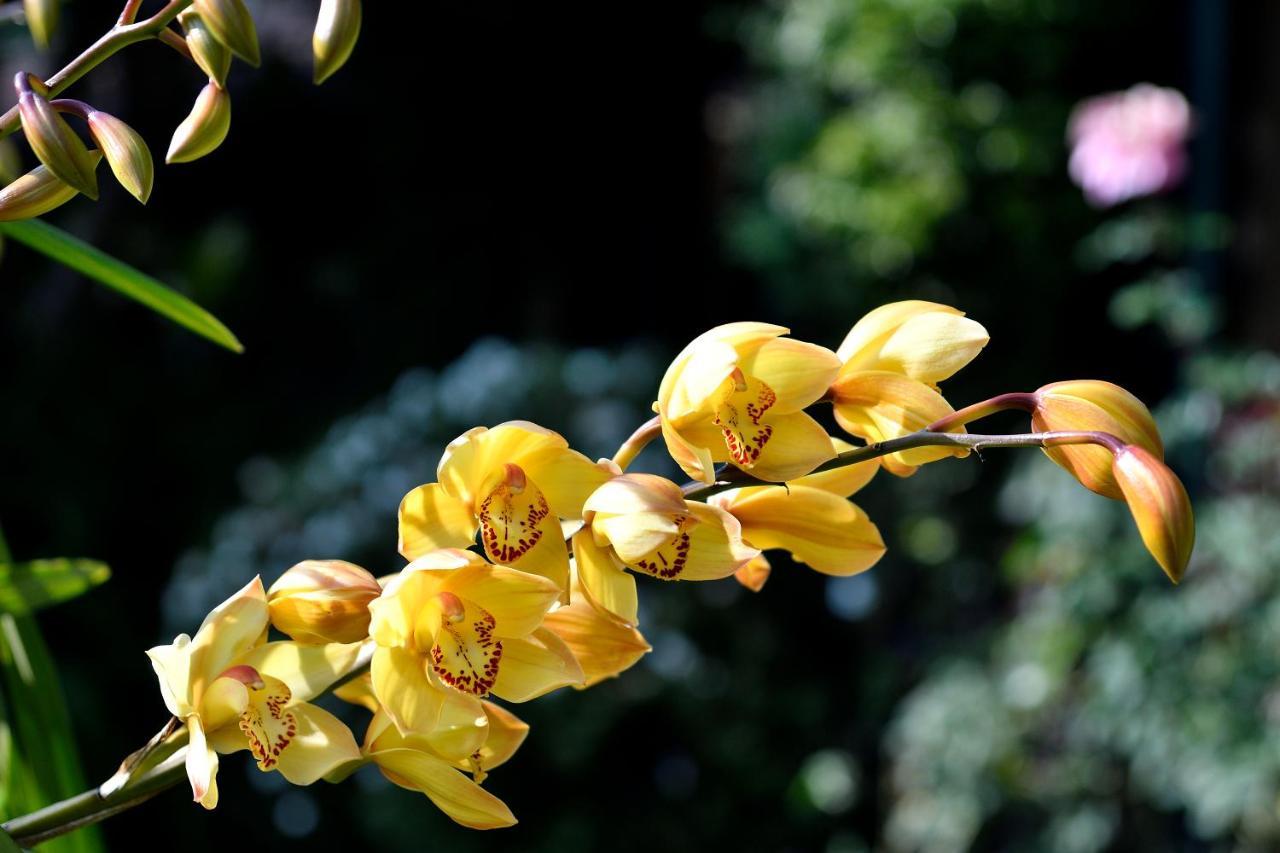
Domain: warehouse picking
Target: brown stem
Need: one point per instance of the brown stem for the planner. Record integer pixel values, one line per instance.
(1001, 402)
(638, 441)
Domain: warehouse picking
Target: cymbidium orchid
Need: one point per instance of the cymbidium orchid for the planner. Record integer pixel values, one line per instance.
(511, 483)
(737, 394)
(643, 523)
(891, 363)
(604, 646)
(234, 691)
(451, 628)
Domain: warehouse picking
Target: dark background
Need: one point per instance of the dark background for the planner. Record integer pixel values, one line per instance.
(562, 178)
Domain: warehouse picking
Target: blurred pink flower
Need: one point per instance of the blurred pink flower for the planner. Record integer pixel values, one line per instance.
(1129, 144)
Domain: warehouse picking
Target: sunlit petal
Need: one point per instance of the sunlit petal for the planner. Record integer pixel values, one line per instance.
(799, 373)
(307, 669)
(603, 646)
(322, 742)
(230, 630)
(450, 789)
(534, 666)
(797, 446)
(401, 685)
(431, 518)
(172, 666)
(603, 580)
(202, 765)
(517, 600)
(844, 480)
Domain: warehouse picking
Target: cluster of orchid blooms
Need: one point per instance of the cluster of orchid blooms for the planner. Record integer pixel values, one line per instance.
(522, 556)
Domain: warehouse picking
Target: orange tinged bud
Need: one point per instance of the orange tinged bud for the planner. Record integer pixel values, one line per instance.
(202, 131)
(323, 601)
(231, 23)
(1160, 507)
(127, 154)
(213, 57)
(54, 142)
(337, 28)
(1091, 405)
(754, 573)
(36, 193)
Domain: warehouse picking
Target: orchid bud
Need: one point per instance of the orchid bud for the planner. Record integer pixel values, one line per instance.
(54, 142)
(36, 193)
(202, 131)
(1160, 507)
(337, 29)
(127, 153)
(213, 57)
(231, 23)
(10, 161)
(323, 601)
(42, 19)
(1091, 405)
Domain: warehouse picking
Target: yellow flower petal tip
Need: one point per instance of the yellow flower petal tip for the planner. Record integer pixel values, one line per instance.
(1160, 506)
(1092, 405)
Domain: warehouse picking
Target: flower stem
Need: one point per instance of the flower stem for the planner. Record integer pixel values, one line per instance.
(639, 440)
(734, 478)
(1018, 400)
(119, 36)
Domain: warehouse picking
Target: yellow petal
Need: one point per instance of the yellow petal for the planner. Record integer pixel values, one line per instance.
(463, 729)
(431, 518)
(697, 381)
(819, 528)
(754, 573)
(322, 742)
(879, 405)
(517, 600)
(451, 791)
(799, 373)
(603, 646)
(323, 601)
(267, 722)
(233, 628)
(534, 666)
(845, 480)
(693, 457)
(172, 665)
(202, 765)
(359, 691)
(471, 459)
(307, 669)
(565, 477)
(743, 415)
(708, 546)
(1094, 406)
(634, 493)
(636, 534)
(861, 347)
(603, 581)
(1160, 507)
(506, 732)
(401, 685)
(797, 446)
(931, 347)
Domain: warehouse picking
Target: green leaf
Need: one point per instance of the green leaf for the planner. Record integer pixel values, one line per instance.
(39, 765)
(83, 258)
(26, 587)
(7, 844)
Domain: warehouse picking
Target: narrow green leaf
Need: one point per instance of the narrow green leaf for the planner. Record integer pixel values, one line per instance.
(83, 258)
(42, 765)
(7, 844)
(27, 587)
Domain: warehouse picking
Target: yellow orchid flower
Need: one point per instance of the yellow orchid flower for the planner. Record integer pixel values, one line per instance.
(891, 363)
(810, 517)
(642, 522)
(511, 483)
(234, 691)
(450, 628)
(737, 394)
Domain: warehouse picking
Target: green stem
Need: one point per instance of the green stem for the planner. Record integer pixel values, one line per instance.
(735, 478)
(118, 37)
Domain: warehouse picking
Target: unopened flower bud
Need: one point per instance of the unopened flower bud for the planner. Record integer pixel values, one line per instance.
(126, 153)
(323, 601)
(213, 57)
(42, 19)
(1160, 507)
(1091, 405)
(36, 193)
(231, 24)
(337, 29)
(202, 131)
(54, 142)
